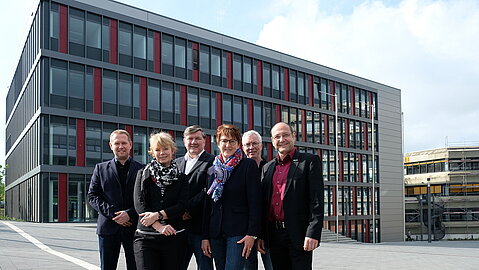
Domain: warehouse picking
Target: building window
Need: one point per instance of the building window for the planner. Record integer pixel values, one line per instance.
(89, 89)
(151, 50)
(213, 110)
(105, 39)
(204, 64)
(325, 99)
(227, 108)
(247, 79)
(77, 195)
(76, 87)
(177, 104)
(54, 27)
(167, 55)
(275, 82)
(238, 112)
(136, 97)
(92, 143)
(153, 100)
(205, 109)
(266, 79)
(108, 128)
(125, 95)
(124, 44)
(93, 36)
(237, 72)
(180, 58)
(317, 127)
(316, 96)
(268, 115)
(192, 106)
(301, 89)
(293, 94)
(58, 84)
(140, 144)
(58, 140)
(258, 116)
(76, 32)
(215, 67)
(139, 48)
(245, 114)
(167, 109)
(309, 126)
(109, 92)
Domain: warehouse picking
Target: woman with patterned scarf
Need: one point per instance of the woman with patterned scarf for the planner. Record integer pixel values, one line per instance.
(231, 220)
(160, 199)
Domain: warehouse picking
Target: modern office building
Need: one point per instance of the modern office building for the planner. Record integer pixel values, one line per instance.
(453, 177)
(89, 67)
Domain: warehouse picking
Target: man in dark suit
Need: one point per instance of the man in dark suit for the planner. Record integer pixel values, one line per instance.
(292, 190)
(111, 194)
(195, 164)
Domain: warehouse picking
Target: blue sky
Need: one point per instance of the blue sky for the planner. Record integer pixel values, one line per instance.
(426, 48)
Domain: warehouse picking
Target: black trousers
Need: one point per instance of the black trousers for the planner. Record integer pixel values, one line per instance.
(286, 256)
(109, 246)
(159, 251)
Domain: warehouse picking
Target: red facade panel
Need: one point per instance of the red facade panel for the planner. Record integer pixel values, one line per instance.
(129, 128)
(250, 115)
(208, 143)
(346, 124)
(219, 109)
(259, 75)
(63, 46)
(286, 84)
(310, 89)
(333, 98)
(184, 109)
(355, 201)
(113, 41)
(278, 113)
(143, 99)
(157, 52)
(353, 108)
(341, 166)
(62, 197)
(80, 159)
(97, 96)
(196, 72)
(303, 126)
(229, 69)
(326, 129)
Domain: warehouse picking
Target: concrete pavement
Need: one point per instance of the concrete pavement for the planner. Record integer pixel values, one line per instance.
(80, 241)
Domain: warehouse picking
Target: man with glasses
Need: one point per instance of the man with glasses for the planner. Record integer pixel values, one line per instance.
(195, 164)
(292, 192)
(252, 146)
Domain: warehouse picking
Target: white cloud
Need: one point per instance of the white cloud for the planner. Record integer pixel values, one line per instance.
(428, 49)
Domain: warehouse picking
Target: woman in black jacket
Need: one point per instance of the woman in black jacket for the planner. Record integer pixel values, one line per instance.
(160, 198)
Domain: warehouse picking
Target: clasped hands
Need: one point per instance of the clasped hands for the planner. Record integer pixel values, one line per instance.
(310, 244)
(248, 242)
(152, 219)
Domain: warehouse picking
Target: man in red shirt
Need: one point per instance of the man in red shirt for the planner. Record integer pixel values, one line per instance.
(292, 192)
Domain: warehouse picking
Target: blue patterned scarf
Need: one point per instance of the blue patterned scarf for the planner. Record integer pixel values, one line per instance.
(221, 171)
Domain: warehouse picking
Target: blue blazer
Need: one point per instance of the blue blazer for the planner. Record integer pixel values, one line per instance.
(237, 212)
(105, 195)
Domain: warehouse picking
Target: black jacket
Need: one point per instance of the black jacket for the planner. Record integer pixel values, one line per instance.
(148, 198)
(105, 195)
(303, 198)
(237, 212)
(197, 179)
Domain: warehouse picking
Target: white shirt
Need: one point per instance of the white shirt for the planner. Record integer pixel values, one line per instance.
(190, 162)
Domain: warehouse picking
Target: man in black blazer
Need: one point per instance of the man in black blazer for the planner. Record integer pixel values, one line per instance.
(195, 164)
(292, 190)
(111, 194)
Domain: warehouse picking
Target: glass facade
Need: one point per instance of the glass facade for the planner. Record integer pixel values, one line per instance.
(142, 79)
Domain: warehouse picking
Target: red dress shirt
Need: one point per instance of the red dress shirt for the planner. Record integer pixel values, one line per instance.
(278, 183)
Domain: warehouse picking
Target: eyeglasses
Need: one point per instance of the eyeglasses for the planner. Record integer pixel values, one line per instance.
(253, 144)
(230, 142)
(279, 136)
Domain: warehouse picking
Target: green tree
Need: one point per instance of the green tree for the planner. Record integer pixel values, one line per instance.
(3, 172)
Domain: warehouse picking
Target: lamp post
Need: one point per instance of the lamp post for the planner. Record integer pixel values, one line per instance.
(337, 157)
(429, 210)
(373, 195)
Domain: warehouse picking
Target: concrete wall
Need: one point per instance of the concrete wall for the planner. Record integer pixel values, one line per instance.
(390, 165)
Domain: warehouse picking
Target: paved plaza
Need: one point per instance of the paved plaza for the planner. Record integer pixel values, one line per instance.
(74, 246)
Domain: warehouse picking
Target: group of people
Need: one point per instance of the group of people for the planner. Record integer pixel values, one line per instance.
(224, 209)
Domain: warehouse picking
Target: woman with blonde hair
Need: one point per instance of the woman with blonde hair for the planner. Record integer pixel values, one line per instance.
(160, 199)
